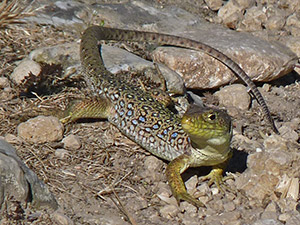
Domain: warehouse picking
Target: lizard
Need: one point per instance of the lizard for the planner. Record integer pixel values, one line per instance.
(201, 137)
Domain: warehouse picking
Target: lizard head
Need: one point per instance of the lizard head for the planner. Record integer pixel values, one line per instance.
(207, 126)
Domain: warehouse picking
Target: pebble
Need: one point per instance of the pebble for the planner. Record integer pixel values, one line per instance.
(71, 142)
(253, 20)
(23, 70)
(12, 139)
(169, 211)
(235, 95)
(61, 153)
(214, 4)
(230, 14)
(41, 129)
(4, 83)
(61, 219)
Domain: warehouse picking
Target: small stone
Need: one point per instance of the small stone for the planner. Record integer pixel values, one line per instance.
(293, 191)
(253, 20)
(235, 95)
(152, 163)
(245, 4)
(275, 143)
(231, 14)
(61, 219)
(169, 211)
(227, 217)
(293, 20)
(12, 139)
(4, 83)
(267, 222)
(191, 183)
(214, 4)
(269, 215)
(61, 153)
(288, 133)
(229, 206)
(72, 142)
(23, 70)
(41, 129)
(275, 23)
(271, 207)
(284, 217)
(266, 87)
(189, 208)
(203, 189)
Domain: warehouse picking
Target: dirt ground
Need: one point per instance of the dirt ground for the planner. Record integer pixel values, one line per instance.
(88, 182)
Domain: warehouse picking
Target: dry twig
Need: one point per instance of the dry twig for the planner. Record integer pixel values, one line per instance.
(12, 13)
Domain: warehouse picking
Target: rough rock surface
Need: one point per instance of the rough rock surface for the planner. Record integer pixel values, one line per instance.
(41, 129)
(19, 182)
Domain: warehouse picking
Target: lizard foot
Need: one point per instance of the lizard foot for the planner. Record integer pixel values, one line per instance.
(215, 177)
(189, 198)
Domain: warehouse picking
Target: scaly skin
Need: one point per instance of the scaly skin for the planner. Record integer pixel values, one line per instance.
(200, 138)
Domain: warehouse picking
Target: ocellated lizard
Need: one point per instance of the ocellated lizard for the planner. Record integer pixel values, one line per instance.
(200, 138)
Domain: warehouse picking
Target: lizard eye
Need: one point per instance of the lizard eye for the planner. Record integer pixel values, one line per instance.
(212, 116)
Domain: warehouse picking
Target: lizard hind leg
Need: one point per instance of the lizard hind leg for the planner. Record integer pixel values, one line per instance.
(98, 108)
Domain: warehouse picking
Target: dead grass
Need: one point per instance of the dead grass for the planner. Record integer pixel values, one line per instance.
(12, 12)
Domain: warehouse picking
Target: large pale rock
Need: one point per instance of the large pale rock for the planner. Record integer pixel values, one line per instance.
(263, 61)
(19, 182)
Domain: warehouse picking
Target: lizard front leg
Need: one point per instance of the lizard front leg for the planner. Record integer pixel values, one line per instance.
(173, 172)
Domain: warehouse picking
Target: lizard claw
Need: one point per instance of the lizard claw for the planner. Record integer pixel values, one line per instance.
(189, 198)
(215, 177)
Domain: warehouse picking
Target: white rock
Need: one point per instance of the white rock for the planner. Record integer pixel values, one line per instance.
(23, 70)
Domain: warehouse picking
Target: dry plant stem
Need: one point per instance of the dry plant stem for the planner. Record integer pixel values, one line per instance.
(12, 13)
(122, 208)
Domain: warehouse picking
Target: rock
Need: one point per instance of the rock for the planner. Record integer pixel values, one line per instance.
(41, 129)
(231, 13)
(229, 207)
(235, 95)
(63, 54)
(19, 181)
(12, 139)
(293, 220)
(72, 142)
(214, 4)
(23, 70)
(13, 182)
(289, 133)
(61, 219)
(245, 4)
(4, 83)
(253, 20)
(267, 222)
(275, 23)
(260, 59)
(293, 191)
(169, 211)
(293, 20)
(264, 173)
(61, 153)
(191, 184)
